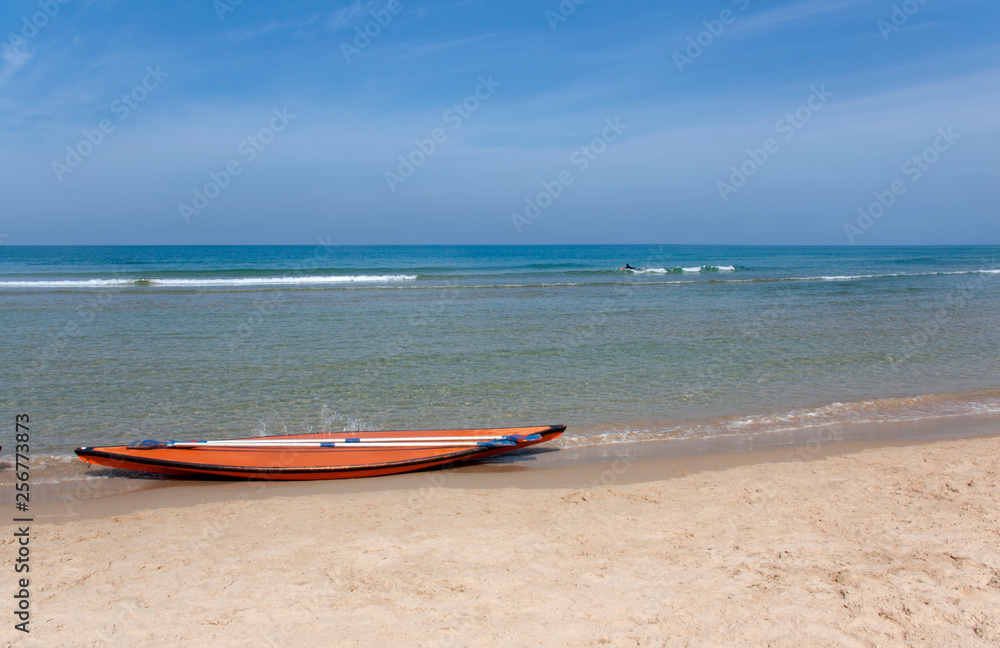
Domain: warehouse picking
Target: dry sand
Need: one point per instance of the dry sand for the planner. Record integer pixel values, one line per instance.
(893, 546)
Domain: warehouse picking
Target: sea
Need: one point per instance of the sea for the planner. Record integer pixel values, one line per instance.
(106, 345)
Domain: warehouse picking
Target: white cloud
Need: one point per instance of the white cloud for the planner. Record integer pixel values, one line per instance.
(14, 58)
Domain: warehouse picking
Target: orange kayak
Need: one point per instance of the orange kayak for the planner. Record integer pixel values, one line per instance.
(318, 456)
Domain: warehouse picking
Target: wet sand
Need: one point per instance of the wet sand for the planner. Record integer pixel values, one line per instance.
(110, 492)
(826, 544)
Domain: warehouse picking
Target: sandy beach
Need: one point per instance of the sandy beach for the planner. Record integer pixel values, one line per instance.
(889, 546)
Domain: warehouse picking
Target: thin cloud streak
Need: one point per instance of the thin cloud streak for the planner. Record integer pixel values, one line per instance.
(346, 17)
(432, 47)
(792, 13)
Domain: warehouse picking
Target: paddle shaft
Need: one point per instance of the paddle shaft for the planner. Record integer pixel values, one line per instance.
(267, 441)
(332, 444)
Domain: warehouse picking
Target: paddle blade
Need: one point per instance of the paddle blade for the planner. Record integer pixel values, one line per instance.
(498, 443)
(147, 445)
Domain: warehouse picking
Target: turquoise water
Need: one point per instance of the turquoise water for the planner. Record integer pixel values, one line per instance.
(109, 344)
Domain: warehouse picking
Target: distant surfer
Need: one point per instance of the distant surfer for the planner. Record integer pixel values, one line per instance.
(628, 267)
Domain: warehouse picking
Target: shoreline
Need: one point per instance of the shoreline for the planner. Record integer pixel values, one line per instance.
(896, 545)
(538, 468)
(58, 474)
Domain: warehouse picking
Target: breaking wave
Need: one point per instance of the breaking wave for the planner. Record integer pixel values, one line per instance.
(206, 282)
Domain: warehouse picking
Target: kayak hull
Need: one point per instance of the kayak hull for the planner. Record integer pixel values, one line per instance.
(308, 463)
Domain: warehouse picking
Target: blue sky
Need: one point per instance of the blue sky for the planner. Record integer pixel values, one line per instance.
(692, 107)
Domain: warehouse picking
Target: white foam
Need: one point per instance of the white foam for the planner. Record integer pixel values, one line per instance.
(281, 281)
(205, 283)
(701, 268)
(898, 274)
(884, 410)
(82, 283)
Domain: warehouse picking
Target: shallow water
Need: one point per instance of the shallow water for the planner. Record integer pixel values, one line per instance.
(109, 344)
